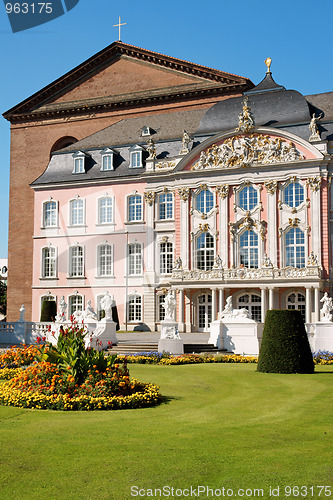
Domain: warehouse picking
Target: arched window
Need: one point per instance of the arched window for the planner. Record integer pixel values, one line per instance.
(49, 262)
(251, 302)
(295, 248)
(134, 258)
(134, 208)
(248, 246)
(204, 201)
(76, 261)
(49, 214)
(248, 198)
(76, 217)
(105, 260)
(105, 210)
(296, 301)
(134, 308)
(166, 258)
(75, 303)
(205, 252)
(294, 194)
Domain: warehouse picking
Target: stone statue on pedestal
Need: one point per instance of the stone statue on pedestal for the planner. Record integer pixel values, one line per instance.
(325, 312)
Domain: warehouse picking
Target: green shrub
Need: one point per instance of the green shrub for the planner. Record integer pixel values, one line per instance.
(285, 347)
(49, 310)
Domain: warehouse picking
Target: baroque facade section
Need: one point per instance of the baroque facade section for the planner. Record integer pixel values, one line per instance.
(208, 202)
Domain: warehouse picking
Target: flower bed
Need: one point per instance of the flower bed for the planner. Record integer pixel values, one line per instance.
(70, 377)
(185, 359)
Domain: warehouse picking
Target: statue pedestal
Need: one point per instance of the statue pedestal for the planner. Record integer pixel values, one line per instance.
(237, 335)
(323, 337)
(170, 340)
(101, 335)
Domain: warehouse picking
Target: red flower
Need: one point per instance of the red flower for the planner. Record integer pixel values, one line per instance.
(38, 339)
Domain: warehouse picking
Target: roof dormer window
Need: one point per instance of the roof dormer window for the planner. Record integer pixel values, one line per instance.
(79, 163)
(107, 159)
(146, 131)
(136, 156)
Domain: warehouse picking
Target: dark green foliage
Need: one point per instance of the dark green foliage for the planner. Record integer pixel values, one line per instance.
(3, 297)
(49, 310)
(285, 347)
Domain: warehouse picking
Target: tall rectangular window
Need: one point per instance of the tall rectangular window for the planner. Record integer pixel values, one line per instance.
(75, 304)
(76, 263)
(76, 212)
(78, 166)
(135, 208)
(107, 162)
(166, 258)
(134, 308)
(49, 262)
(136, 159)
(165, 206)
(50, 214)
(105, 210)
(134, 258)
(105, 260)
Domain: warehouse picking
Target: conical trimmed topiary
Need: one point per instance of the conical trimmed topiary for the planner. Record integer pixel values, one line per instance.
(285, 346)
(49, 310)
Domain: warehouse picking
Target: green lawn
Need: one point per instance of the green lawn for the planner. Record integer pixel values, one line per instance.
(224, 425)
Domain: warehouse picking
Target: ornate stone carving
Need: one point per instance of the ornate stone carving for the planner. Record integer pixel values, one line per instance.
(151, 148)
(204, 227)
(247, 151)
(186, 140)
(245, 119)
(223, 191)
(314, 183)
(170, 305)
(149, 197)
(218, 264)
(325, 311)
(248, 223)
(184, 193)
(294, 222)
(178, 264)
(165, 165)
(313, 259)
(267, 261)
(271, 186)
(315, 135)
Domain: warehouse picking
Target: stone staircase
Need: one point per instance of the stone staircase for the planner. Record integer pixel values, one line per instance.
(126, 347)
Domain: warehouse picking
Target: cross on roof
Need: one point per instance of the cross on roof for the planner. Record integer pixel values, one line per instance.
(118, 25)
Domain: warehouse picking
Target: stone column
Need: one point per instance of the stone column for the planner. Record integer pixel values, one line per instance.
(221, 301)
(213, 304)
(308, 305)
(271, 298)
(272, 226)
(184, 230)
(316, 305)
(181, 326)
(188, 311)
(224, 230)
(263, 305)
(150, 238)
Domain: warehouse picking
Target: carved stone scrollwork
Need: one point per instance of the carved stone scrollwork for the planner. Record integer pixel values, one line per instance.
(204, 227)
(184, 193)
(165, 165)
(271, 186)
(294, 222)
(247, 223)
(314, 183)
(149, 197)
(223, 191)
(313, 259)
(247, 151)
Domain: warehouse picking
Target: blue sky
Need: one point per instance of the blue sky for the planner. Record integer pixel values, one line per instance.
(231, 36)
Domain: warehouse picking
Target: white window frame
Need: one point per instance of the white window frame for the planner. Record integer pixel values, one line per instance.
(249, 247)
(199, 193)
(166, 204)
(136, 152)
(48, 297)
(79, 163)
(99, 256)
(166, 264)
(293, 182)
(43, 274)
(250, 304)
(69, 300)
(78, 199)
(70, 267)
(107, 153)
(99, 201)
(135, 260)
(206, 249)
(137, 318)
(297, 302)
(54, 214)
(160, 307)
(239, 193)
(136, 195)
(295, 246)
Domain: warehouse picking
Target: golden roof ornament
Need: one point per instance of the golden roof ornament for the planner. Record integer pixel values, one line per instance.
(245, 119)
(268, 62)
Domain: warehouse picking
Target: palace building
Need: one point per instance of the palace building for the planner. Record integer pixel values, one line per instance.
(176, 177)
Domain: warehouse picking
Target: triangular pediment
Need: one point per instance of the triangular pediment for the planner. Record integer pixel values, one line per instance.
(122, 74)
(260, 147)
